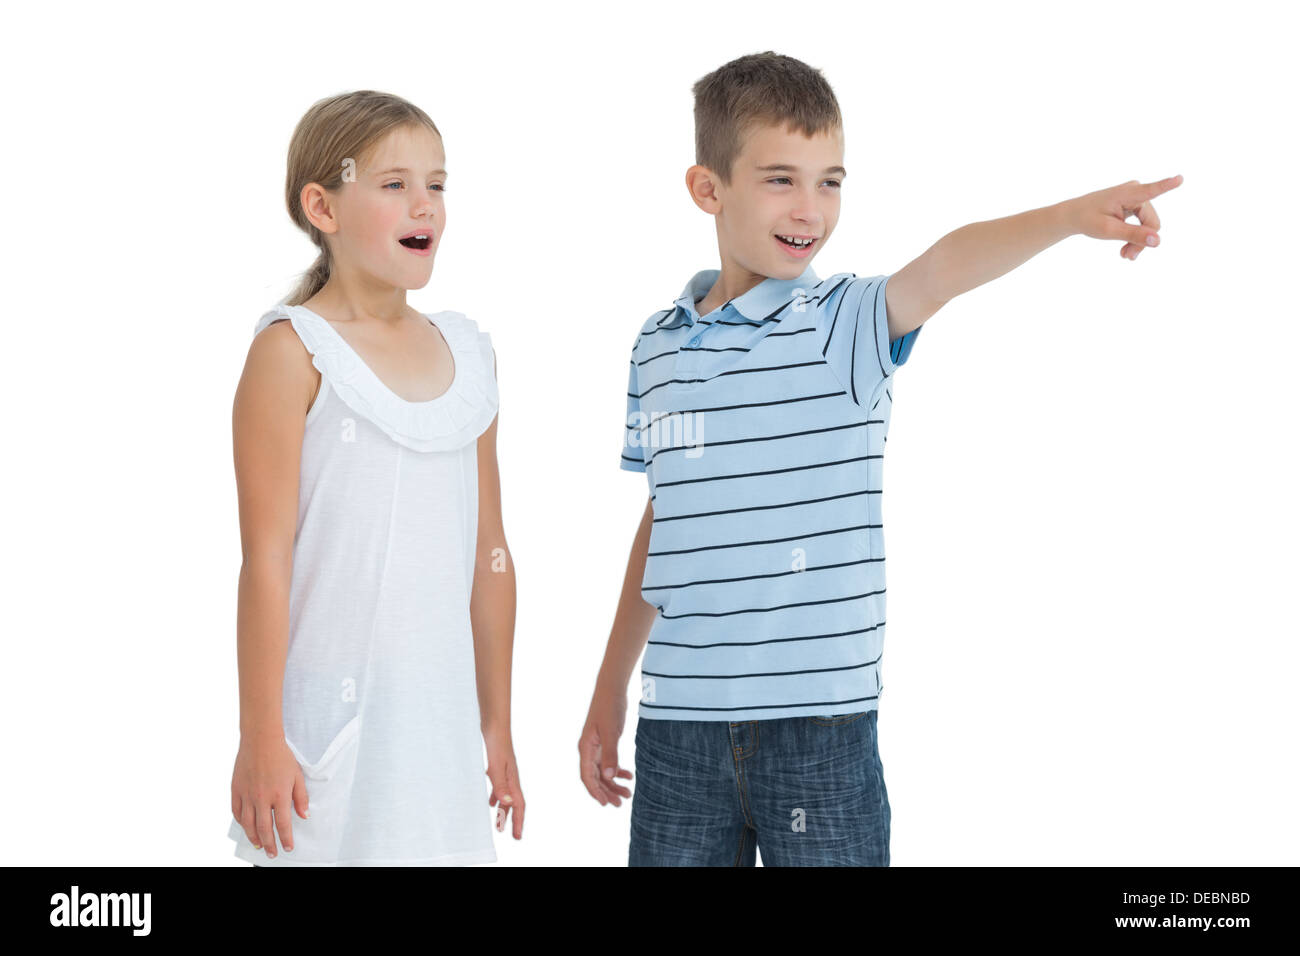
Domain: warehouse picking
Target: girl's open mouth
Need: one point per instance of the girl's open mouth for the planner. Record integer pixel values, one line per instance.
(419, 243)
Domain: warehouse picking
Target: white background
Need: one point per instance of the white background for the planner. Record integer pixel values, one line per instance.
(1091, 519)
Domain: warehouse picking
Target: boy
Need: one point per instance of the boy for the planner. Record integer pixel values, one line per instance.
(757, 407)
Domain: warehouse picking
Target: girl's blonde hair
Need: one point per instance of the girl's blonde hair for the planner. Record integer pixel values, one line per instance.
(333, 132)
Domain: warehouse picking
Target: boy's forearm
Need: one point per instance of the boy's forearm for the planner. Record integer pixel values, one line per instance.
(633, 619)
(492, 612)
(981, 251)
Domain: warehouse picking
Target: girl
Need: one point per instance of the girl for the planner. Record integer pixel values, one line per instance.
(377, 595)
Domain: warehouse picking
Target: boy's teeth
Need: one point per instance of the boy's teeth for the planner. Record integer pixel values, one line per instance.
(795, 242)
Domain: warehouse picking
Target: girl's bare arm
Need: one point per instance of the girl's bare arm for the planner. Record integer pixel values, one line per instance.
(492, 610)
(275, 391)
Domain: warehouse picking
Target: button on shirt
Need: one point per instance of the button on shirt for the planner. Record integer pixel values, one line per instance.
(761, 430)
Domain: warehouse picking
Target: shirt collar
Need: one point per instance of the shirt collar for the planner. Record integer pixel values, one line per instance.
(759, 304)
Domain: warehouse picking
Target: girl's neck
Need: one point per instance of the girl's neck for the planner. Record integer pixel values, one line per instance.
(342, 301)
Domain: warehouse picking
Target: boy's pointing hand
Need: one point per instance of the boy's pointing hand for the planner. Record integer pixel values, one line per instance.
(1103, 214)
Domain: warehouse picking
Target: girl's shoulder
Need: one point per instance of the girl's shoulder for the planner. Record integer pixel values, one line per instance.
(450, 421)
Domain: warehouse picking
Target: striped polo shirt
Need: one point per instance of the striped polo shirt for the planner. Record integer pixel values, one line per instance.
(761, 430)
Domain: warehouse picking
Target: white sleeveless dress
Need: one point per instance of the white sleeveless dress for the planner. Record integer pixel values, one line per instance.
(380, 705)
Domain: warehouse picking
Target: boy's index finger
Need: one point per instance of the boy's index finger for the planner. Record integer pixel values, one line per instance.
(1163, 186)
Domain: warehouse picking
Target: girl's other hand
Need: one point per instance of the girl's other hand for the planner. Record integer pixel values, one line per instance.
(267, 778)
(503, 772)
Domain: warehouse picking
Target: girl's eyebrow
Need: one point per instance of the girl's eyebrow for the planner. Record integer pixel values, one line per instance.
(403, 169)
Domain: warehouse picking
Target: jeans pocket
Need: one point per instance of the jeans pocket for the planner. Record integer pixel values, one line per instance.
(835, 720)
(329, 793)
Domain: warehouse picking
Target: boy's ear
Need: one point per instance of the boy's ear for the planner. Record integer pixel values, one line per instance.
(702, 185)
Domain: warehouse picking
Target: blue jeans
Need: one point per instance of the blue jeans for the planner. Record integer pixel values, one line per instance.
(804, 791)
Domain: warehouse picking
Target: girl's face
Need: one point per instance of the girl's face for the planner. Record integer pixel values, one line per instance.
(397, 193)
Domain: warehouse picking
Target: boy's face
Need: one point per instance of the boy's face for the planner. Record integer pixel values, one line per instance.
(783, 184)
(398, 190)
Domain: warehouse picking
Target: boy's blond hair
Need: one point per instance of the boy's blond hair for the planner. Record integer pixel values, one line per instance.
(755, 90)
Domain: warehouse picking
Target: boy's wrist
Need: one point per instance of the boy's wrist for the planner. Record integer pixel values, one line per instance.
(1066, 217)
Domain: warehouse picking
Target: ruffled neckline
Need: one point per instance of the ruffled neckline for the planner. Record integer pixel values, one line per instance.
(453, 419)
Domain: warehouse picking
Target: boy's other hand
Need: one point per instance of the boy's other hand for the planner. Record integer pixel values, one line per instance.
(1103, 214)
(598, 749)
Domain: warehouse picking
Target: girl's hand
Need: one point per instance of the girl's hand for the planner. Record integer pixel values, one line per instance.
(503, 772)
(598, 749)
(1103, 214)
(267, 778)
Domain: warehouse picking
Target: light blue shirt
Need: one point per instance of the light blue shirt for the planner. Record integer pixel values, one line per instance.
(761, 430)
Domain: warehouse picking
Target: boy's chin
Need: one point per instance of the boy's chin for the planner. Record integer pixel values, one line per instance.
(788, 267)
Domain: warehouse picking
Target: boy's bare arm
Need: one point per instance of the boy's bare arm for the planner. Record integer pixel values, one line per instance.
(598, 746)
(633, 618)
(982, 251)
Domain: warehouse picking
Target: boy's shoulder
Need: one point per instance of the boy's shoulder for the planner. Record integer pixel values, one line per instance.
(652, 324)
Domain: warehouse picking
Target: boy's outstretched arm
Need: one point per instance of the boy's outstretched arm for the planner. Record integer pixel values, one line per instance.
(974, 254)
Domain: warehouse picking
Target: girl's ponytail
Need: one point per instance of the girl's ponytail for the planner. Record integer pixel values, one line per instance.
(313, 280)
(328, 146)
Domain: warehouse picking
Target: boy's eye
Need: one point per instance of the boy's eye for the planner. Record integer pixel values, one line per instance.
(397, 182)
(786, 179)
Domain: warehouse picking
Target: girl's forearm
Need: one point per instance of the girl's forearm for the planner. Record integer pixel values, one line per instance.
(492, 610)
(263, 643)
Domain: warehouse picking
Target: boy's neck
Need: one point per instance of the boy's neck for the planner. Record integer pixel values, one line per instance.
(727, 288)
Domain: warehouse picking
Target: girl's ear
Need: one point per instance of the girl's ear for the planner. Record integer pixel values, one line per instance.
(317, 208)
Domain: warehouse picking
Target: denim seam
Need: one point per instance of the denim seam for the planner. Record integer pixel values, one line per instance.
(880, 785)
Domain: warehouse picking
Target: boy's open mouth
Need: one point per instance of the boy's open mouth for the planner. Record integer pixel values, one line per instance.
(797, 247)
(419, 241)
(796, 243)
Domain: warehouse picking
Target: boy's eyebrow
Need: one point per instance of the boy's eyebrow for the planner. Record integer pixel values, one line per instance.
(785, 168)
(403, 169)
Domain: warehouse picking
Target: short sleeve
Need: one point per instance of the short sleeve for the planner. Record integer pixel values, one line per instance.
(633, 451)
(856, 344)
